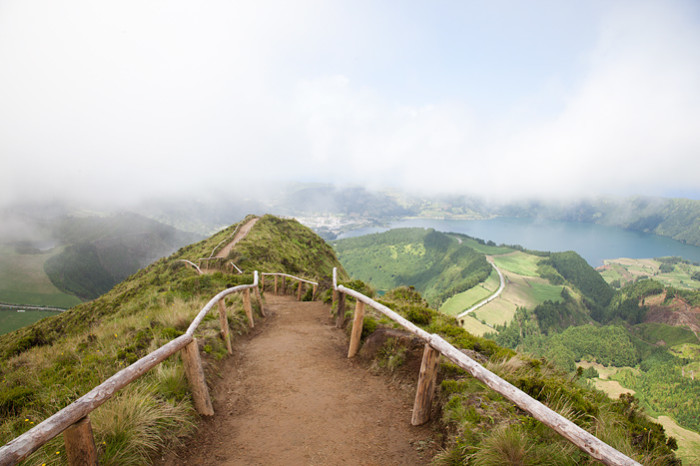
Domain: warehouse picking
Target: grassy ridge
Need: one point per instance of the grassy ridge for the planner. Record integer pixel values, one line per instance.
(435, 263)
(47, 365)
(484, 428)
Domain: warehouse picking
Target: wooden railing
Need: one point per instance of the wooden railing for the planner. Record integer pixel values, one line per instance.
(281, 285)
(73, 420)
(435, 345)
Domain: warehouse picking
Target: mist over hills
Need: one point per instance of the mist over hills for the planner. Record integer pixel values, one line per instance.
(80, 254)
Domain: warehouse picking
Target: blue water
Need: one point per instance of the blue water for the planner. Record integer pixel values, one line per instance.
(593, 242)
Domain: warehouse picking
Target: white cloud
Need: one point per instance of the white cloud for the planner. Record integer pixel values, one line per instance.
(134, 98)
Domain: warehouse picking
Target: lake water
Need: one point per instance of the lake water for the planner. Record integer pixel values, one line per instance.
(593, 242)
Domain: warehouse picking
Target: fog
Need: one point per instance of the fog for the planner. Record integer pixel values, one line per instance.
(116, 103)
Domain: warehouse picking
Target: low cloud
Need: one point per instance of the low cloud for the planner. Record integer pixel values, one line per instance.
(121, 102)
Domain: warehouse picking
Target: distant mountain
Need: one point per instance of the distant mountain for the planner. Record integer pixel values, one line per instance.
(102, 251)
(50, 254)
(675, 218)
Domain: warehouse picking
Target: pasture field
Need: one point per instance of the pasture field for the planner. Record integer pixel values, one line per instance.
(518, 262)
(497, 312)
(463, 301)
(688, 441)
(475, 327)
(627, 270)
(23, 280)
(11, 320)
(523, 289)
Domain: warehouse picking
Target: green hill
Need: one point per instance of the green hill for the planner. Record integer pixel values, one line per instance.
(436, 264)
(47, 365)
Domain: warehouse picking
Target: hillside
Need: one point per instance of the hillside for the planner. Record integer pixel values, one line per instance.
(63, 260)
(436, 264)
(45, 366)
(52, 362)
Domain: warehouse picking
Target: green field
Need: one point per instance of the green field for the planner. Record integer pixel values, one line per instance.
(518, 262)
(473, 326)
(523, 288)
(627, 270)
(463, 301)
(23, 280)
(11, 320)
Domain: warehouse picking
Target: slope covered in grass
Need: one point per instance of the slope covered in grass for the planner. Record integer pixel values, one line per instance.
(482, 427)
(46, 366)
(436, 264)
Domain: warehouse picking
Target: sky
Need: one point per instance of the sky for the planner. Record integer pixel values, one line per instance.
(501, 99)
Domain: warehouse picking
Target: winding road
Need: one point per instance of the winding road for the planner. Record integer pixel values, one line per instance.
(490, 298)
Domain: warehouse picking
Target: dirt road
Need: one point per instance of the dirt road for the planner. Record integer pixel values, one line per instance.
(289, 396)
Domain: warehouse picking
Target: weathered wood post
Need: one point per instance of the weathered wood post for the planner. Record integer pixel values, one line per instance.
(195, 377)
(299, 290)
(313, 292)
(275, 284)
(340, 311)
(223, 323)
(80, 444)
(258, 297)
(248, 308)
(425, 391)
(356, 328)
(334, 297)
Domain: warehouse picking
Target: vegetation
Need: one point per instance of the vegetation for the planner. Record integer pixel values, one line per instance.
(23, 280)
(484, 428)
(47, 365)
(102, 252)
(11, 319)
(434, 263)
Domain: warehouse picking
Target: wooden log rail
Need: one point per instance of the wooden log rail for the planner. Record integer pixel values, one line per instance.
(73, 420)
(436, 345)
(282, 287)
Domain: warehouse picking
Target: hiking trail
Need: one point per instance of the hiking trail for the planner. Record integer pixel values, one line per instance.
(289, 395)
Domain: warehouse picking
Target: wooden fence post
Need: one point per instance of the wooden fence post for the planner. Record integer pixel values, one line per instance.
(313, 292)
(247, 306)
(356, 328)
(223, 323)
(260, 301)
(195, 377)
(334, 297)
(340, 311)
(425, 390)
(80, 444)
(275, 284)
(299, 290)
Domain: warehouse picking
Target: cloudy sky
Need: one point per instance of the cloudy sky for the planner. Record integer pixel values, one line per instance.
(505, 99)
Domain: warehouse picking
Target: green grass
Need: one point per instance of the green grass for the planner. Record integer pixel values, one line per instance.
(653, 332)
(11, 320)
(518, 262)
(47, 365)
(483, 248)
(541, 292)
(463, 301)
(474, 326)
(23, 280)
(497, 312)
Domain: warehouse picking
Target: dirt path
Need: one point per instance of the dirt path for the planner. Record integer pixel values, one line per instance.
(289, 396)
(240, 234)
